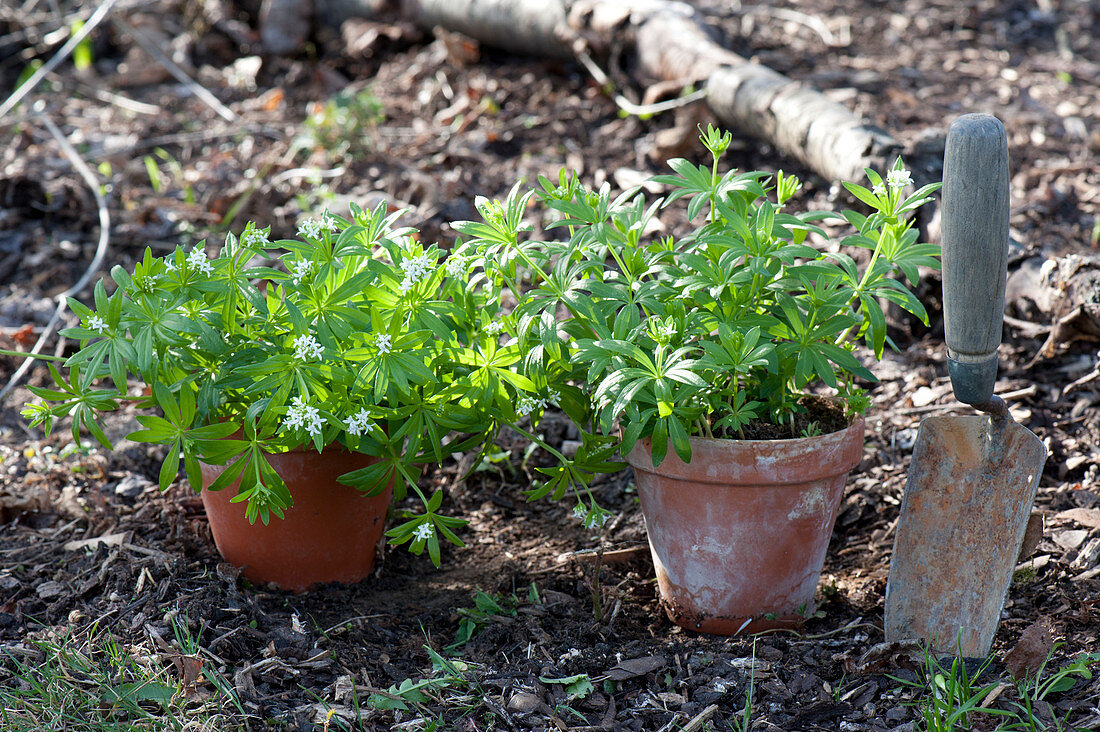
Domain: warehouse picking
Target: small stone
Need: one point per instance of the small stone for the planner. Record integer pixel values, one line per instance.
(905, 439)
(896, 714)
(132, 486)
(923, 396)
(523, 702)
(50, 589)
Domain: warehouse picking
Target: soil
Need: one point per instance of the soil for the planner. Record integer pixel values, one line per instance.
(540, 599)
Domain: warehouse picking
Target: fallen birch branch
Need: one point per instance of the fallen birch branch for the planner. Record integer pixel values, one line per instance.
(666, 41)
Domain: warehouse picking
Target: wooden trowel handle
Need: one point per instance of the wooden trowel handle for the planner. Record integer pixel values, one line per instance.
(975, 252)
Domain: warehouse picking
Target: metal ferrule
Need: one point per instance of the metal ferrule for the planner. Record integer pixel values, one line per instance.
(973, 382)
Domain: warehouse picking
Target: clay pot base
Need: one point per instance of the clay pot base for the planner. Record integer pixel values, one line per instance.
(717, 625)
(740, 533)
(330, 534)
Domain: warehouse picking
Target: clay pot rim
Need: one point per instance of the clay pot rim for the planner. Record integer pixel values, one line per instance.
(741, 462)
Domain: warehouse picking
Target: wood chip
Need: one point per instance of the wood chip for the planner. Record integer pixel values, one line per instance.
(1070, 540)
(106, 539)
(1089, 517)
(1089, 556)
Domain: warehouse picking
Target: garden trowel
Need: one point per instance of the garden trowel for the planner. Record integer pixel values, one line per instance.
(972, 478)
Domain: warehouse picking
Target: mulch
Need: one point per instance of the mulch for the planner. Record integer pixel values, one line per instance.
(462, 121)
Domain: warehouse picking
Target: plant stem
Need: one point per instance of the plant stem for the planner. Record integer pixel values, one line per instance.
(28, 354)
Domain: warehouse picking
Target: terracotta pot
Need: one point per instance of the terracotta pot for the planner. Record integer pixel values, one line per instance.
(739, 535)
(329, 535)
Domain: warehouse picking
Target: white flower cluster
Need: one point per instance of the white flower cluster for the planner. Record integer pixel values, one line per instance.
(301, 268)
(456, 266)
(415, 269)
(896, 179)
(358, 423)
(254, 238)
(528, 404)
(424, 532)
(494, 327)
(382, 340)
(97, 324)
(300, 415)
(307, 348)
(313, 228)
(198, 260)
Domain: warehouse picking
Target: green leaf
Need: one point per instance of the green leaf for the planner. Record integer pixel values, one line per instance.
(576, 687)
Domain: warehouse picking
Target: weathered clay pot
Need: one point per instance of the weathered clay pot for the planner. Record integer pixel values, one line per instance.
(739, 535)
(329, 535)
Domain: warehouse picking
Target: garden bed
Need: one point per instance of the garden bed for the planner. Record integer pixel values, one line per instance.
(544, 624)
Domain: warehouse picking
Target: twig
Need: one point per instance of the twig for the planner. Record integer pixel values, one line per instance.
(173, 68)
(1027, 391)
(1029, 329)
(625, 104)
(696, 723)
(812, 22)
(131, 105)
(307, 173)
(101, 249)
(182, 139)
(17, 96)
(1078, 383)
(624, 554)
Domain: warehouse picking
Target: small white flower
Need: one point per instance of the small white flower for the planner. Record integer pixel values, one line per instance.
(97, 324)
(198, 260)
(382, 341)
(301, 268)
(424, 532)
(595, 520)
(898, 178)
(879, 190)
(406, 285)
(528, 404)
(358, 423)
(307, 348)
(415, 269)
(580, 512)
(494, 327)
(170, 264)
(456, 266)
(254, 238)
(553, 396)
(300, 415)
(311, 229)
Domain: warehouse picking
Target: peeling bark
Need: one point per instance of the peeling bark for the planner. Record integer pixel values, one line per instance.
(668, 41)
(1065, 292)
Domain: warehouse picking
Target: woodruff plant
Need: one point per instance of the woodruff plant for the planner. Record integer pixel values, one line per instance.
(701, 333)
(362, 338)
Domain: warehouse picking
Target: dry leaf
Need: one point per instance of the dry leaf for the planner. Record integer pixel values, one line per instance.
(1031, 650)
(1033, 534)
(635, 667)
(880, 657)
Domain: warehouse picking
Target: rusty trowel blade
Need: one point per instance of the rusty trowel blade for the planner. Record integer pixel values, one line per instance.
(963, 516)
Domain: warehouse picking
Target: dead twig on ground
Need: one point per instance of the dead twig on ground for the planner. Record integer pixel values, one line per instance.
(817, 25)
(638, 110)
(17, 96)
(173, 68)
(101, 248)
